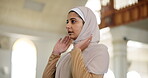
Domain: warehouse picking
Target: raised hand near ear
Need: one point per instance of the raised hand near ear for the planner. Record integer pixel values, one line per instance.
(83, 44)
(62, 45)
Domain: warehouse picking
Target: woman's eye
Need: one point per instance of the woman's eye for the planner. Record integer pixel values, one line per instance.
(66, 21)
(73, 21)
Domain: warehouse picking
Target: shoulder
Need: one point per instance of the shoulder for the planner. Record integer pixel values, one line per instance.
(102, 47)
(99, 64)
(95, 50)
(103, 52)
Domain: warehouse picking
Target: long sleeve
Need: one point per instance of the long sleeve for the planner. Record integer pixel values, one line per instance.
(78, 67)
(50, 69)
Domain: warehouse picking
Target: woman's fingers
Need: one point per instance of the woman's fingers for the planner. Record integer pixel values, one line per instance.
(89, 39)
(84, 43)
(62, 45)
(68, 43)
(65, 39)
(68, 40)
(59, 40)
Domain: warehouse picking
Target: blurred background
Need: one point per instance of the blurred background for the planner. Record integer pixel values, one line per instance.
(29, 30)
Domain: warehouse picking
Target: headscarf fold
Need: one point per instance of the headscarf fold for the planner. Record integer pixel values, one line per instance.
(95, 56)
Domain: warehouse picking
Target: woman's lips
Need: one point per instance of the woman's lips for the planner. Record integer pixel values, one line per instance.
(70, 32)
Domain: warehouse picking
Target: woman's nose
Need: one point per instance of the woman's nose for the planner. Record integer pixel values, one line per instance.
(68, 26)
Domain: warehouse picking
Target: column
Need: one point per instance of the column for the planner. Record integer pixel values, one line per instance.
(120, 58)
(119, 52)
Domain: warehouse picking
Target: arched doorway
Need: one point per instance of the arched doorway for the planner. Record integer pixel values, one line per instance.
(24, 58)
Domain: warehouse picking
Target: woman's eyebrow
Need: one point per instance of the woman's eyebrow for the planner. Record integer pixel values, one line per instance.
(72, 18)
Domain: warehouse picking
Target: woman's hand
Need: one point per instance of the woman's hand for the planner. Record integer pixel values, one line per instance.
(83, 44)
(62, 45)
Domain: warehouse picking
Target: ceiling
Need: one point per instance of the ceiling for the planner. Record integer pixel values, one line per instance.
(141, 24)
(43, 15)
(39, 15)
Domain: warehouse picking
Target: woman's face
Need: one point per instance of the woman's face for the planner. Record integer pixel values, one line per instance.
(74, 25)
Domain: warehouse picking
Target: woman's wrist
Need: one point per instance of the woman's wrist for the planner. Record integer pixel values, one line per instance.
(77, 48)
(56, 53)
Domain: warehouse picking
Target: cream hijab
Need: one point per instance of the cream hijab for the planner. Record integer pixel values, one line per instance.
(95, 56)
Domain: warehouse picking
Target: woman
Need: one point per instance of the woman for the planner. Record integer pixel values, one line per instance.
(88, 59)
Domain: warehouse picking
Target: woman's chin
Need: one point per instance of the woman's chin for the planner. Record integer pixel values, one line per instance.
(72, 37)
